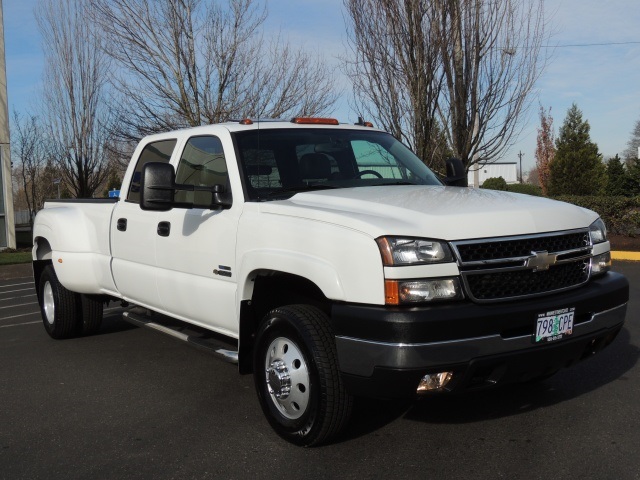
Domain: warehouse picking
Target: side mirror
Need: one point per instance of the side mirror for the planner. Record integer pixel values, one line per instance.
(456, 173)
(157, 187)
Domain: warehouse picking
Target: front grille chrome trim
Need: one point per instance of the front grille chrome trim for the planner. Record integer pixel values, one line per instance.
(512, 265)
(480, 241)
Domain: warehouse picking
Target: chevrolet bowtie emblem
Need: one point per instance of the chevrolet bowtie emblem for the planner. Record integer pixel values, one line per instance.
(541, 261)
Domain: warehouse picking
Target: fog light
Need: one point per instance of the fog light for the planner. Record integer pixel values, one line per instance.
(434, 381)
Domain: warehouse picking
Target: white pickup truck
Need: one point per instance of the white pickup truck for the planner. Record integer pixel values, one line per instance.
(329, 261)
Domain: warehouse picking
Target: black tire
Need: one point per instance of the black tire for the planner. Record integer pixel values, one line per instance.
(59, 307)
(91, 315)
(317, 408)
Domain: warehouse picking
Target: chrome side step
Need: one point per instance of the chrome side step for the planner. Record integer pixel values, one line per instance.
(205, 340)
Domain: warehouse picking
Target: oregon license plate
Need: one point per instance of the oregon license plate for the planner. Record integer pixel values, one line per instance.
(554, 325)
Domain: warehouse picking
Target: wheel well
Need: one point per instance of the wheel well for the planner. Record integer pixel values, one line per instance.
(271, 290)
(43, 258)
(42, 249)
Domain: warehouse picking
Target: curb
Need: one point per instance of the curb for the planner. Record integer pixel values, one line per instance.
(628, 256)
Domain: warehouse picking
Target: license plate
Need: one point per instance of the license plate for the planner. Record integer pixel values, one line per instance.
(554, 325)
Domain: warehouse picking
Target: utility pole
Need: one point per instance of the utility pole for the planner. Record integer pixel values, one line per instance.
(7, 221)
(521, 155)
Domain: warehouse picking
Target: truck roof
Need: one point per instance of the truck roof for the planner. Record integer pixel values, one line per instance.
(249, 124)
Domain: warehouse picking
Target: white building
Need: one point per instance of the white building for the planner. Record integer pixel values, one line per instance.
(506, 170)
(7, 230)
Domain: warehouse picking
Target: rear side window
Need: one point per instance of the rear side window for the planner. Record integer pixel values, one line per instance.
(154, 152)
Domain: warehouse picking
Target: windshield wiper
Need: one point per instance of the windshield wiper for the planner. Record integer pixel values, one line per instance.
(399, 182)
(301, 188)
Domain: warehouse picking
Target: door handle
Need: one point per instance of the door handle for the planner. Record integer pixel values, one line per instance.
(122, 224)
(164, 229)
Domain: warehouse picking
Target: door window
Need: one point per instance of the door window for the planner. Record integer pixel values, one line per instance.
(202, 164)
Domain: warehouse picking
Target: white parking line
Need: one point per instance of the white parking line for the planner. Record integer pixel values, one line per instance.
(16, 284)
(20, 324)
(21, 315)
(14, 298)
(19, 305)
(21, 290)
(38, 321)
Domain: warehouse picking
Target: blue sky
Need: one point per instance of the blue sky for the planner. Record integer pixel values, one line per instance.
(603, 80)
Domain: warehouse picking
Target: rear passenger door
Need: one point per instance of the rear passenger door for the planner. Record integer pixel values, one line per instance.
(196, 254)
(133, 234)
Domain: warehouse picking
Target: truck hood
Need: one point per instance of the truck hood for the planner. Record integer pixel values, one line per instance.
(447, 213)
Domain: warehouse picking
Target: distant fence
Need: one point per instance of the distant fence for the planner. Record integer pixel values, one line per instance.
(21, 217)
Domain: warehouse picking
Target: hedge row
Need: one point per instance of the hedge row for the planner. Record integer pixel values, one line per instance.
(499, 183)
(620, 214)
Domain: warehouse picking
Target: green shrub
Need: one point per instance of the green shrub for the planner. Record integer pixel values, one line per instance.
(12, 257)
(494, 183)
(620, 214)
(525, 188)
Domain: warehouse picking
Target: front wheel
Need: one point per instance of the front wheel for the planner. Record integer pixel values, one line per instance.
(297, 377)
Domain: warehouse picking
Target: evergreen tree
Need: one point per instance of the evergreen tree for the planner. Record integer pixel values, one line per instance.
(633, 171)
(618, 181)
(577, 167)
(113, 182)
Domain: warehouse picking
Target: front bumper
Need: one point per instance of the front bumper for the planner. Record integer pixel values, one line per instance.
(385, 351)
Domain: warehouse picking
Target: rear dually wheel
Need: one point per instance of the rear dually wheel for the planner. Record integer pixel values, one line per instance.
(59, 307)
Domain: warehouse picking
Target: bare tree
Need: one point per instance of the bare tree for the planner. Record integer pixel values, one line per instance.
(29, 153)
(545, 148)
(76, 71)
(191, 62)
(533, 177)
(633, 145)
(396, 71)
(468, 66)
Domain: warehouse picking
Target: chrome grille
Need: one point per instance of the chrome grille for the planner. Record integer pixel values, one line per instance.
(521, 283)
(500, 269)
(522, 247)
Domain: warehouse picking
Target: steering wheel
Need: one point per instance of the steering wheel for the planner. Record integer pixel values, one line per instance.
(365, 172)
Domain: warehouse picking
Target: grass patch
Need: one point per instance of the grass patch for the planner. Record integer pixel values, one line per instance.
(12, 257)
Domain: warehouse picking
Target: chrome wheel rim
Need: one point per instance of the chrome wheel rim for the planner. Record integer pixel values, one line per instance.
(49, 303)
(287, 376)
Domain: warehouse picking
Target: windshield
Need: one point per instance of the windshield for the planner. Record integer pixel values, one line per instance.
(277, 163)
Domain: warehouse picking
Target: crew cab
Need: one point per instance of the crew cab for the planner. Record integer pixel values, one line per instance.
(330, 262)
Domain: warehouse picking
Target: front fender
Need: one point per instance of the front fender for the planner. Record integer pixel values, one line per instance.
(314, 269)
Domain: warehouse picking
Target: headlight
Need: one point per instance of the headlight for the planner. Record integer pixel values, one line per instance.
(400, 292)
(598, 232)
(411, 251)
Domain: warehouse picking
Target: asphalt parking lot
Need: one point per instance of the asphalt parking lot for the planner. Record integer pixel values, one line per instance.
(133, 403)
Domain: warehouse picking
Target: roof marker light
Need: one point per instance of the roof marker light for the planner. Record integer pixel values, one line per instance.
(315, 121)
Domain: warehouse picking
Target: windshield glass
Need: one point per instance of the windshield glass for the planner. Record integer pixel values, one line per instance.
(278, 163)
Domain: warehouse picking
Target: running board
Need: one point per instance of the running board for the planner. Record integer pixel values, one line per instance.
(139, 318)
